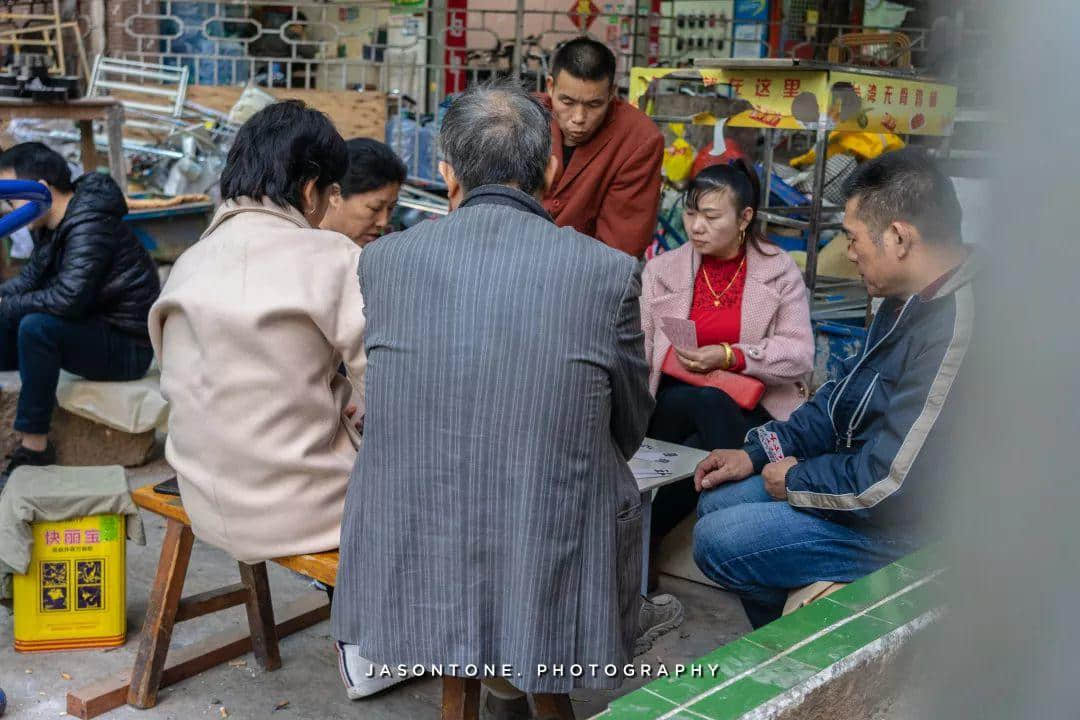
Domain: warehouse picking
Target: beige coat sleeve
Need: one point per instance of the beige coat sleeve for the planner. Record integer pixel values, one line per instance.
(342, 322)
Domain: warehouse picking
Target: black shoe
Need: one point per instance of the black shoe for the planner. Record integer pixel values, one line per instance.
(25, 456)
(657, 616)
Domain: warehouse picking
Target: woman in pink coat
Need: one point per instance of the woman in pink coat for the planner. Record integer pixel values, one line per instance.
(748, 302)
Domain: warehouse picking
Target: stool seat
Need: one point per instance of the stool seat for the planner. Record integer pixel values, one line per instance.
(801, 597)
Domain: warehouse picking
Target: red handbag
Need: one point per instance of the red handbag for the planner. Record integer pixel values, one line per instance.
(743, 389)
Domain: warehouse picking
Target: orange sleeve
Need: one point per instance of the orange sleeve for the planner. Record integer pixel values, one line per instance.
(627, 219)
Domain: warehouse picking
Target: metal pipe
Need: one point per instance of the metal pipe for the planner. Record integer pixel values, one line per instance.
(21, 16)
(147, 89)
(821, 147)
(795, 209)
(100, 141)
(138, 70)
(767, 166)
(436, 44)
(148, 107)
(416, 205)
(422, 194)
(519, 37)
(796, 224)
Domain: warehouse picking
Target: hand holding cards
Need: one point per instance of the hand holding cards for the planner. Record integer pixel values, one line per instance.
(681, 332)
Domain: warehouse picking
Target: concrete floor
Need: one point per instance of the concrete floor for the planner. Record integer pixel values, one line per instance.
(36, 685)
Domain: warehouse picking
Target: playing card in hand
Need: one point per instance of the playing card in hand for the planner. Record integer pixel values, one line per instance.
(681, 332)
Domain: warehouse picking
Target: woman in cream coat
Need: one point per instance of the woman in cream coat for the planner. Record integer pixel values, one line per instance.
(250, 330)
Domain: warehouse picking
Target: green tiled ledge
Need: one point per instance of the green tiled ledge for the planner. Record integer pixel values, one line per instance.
(784, 654)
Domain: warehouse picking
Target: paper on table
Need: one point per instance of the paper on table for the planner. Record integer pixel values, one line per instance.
(681, 332)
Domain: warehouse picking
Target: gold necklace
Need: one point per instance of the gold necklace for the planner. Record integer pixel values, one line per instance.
(717, 296)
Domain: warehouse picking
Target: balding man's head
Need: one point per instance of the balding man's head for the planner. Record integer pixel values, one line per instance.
(496, 133)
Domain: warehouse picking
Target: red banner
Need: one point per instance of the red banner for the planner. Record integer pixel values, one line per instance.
(654, 33)
(456, 35)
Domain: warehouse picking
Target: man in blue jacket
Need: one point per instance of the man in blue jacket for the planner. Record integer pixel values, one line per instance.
(850, 482)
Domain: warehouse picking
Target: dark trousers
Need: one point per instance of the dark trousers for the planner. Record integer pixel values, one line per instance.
(40, 345)
(703, 418)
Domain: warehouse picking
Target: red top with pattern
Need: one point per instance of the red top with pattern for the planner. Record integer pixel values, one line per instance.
(720, 323)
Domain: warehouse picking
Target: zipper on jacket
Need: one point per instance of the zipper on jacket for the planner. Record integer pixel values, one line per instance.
(860, 409)
(842, 387)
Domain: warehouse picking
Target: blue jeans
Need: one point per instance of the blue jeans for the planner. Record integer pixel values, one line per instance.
(40, 345)
(760, 548)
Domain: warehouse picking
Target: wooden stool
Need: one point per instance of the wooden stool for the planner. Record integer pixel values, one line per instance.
(154, 666)
(166, 608)
(801, 597)
(461, 701)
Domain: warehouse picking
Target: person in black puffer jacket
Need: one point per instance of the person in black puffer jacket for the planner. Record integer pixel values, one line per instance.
(81, 302)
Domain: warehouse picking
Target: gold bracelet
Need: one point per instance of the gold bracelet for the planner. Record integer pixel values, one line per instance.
(729, 356)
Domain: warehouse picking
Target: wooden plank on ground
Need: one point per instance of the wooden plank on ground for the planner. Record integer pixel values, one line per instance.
(110, 693)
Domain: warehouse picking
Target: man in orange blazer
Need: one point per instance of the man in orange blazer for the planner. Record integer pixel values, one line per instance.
(608, 183)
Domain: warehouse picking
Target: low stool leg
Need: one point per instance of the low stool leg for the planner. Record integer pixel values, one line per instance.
(260, 614)
(460, 698)
(551, 707)
(160, 615)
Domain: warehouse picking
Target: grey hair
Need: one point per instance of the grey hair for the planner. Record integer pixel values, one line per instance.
(497, 133)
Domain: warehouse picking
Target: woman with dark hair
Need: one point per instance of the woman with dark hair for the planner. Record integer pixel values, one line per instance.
(748, 303)
(363, 202)
(250, 330)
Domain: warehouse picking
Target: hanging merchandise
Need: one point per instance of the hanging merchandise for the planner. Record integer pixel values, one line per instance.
(583, 14)
(863, 145)
(653, 57)
(626, 31)
(884, 15)
(679, 158)
(611, 30)
(698, 26)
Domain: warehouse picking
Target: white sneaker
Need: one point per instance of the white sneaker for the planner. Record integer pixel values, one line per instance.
(362, 677)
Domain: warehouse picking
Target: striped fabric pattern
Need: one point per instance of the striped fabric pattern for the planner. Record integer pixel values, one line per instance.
(491, 517)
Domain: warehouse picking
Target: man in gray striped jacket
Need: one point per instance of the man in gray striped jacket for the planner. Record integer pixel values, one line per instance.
(491, 518)
(853, 479)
